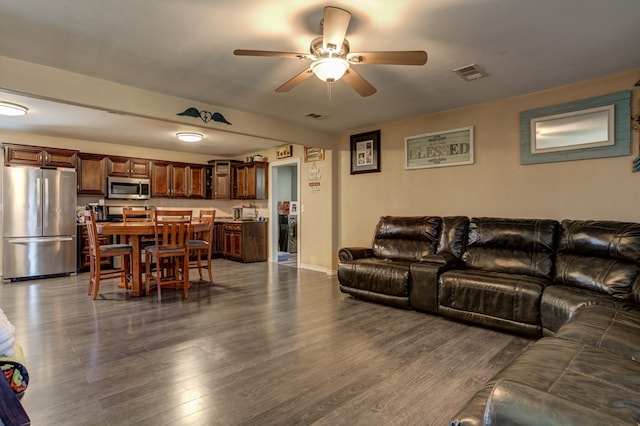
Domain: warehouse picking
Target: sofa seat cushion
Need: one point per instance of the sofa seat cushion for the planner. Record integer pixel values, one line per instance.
(382, 276)
(574, 371)
(560, 302)
(607, 328)
(510, 296)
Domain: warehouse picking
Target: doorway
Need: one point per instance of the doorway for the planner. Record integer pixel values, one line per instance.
(284, 229)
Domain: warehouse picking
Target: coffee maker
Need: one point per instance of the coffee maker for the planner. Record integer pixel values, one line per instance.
(98, 210)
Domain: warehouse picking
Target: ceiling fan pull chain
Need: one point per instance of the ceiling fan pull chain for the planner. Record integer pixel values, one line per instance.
(329, 89)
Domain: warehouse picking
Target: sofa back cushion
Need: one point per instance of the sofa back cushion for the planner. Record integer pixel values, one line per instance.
(453, 236)
(406, 238)
(518, 246)
(601, 256)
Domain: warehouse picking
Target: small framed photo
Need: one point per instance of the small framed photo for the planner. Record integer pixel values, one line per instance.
(313, 154)
(365, 152)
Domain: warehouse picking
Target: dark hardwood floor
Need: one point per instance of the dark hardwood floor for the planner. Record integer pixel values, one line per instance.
(266, 344)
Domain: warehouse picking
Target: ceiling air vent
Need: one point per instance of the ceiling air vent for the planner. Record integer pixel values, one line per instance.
(315, 116)
(470, 72)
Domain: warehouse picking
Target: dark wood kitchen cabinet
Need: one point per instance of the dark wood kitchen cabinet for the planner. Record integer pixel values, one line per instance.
(178, 180)
(26, 155)
(250, 180)
(128, 167)
(221, 178)
(92, 174)
(197, 181)
(245, 241)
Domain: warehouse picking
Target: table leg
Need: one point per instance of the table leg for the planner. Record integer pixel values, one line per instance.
(136, 272)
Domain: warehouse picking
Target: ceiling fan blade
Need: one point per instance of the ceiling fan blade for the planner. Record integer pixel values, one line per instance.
(297, 79)
(358, 83)
(407, 57)
(334, 27)
(290, 55)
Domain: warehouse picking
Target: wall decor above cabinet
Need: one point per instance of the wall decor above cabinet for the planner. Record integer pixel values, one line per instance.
(204, 115)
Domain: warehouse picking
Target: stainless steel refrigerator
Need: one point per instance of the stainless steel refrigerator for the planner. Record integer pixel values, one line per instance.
(38, 222)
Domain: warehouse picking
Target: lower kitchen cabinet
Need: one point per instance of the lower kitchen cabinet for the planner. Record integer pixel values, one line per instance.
(245, 241)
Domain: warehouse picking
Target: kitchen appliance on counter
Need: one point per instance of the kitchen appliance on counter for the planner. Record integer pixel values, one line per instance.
(39, 222)
(98, 211)
(121, 188)
(245, 213)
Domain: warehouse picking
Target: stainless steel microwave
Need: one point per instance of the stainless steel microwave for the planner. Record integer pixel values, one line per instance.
(121, 188)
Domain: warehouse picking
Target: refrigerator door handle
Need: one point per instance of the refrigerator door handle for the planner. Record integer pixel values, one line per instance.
(45, 212)
(37, 240)
(38, 205)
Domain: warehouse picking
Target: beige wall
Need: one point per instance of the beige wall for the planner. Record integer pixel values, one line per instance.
(496, 185)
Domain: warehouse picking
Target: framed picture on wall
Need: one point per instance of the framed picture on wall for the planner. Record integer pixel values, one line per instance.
(448, 148)
(365, 152)
(313, 154)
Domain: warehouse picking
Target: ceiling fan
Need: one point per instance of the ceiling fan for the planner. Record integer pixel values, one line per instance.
(331, 58)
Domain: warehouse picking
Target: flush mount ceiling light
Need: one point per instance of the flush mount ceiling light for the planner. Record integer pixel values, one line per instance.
(189, 136)
(7, 108)
(330, 69)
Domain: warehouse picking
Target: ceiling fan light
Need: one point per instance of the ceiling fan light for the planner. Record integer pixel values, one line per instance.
(189, 136)
(330, 69)
(7, 108)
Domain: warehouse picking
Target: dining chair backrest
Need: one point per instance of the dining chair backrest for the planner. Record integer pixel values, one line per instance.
(207, 216)
(172, 228)
(92, 232)
(129, 215)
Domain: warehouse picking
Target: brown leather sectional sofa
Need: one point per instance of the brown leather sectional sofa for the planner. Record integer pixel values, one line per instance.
(575, 284)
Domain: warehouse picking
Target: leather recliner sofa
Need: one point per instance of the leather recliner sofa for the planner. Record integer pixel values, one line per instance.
(577, 282)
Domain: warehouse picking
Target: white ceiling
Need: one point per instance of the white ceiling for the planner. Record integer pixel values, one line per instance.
(184, 48)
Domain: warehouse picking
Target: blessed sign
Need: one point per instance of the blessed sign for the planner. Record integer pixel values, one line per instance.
(449, 148)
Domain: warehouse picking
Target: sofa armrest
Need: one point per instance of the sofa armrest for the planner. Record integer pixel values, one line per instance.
(354, 253)
(512, 403)
(423, 293)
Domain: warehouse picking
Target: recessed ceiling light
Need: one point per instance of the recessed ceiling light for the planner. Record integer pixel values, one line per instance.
(189, 136)
(7, 108)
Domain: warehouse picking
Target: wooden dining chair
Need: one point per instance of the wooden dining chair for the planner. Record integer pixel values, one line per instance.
(133, 216)
(202, 242)
(170, 251)
(130, 215)
(98, 252)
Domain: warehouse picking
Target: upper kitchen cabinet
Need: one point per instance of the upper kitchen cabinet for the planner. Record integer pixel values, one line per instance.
(178, 180)
(92, 174)
(24, 155)
(128, 167)
(221, 178)
(197, 181)
(250, 180)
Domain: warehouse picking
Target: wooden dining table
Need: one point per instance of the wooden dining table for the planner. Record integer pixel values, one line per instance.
(133, 232)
